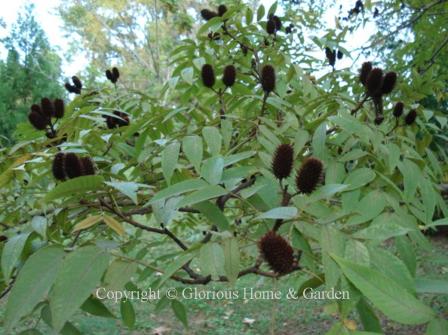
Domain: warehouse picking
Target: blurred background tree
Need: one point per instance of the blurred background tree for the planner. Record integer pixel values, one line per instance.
(32, 69)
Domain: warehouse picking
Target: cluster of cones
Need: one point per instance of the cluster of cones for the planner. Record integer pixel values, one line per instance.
(70, 165)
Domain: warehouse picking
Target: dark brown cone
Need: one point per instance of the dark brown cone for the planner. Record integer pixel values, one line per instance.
(208, 14)
(309, 175)
(113, 122)
(282, 161)
(222, 9)
(116, 74)
(47, 107)
(109, 75)
(77, 82)
(88, 168)
(278, 22)
(410, 117)
(375, 82)
(364, 72)
(229, 75)
(36, 108)
(73, 165)
(340, 54)
(58, 108)
(331, 56)
(270, 27)
(58, 166)
(38, 120)
(208, 75)
(268, 78)
(389, 82)
(277, 252)
(398, 109)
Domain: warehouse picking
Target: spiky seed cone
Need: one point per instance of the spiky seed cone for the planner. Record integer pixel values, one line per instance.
(277, 252)
(375, 81)
(109, 75)
(36, 108)
(38, 120)
(73, 165)
(270, 27)
(389, 81)
(282, 161)
(110, 122)
(278, 22)
(208, 14)
(331, 56)
(398, 109)
(340, 54)
(124, 119)
(309, 175)
(229, 75)
(268, 78)
(58, 167)
(88, 168)
(68, 87)
(58, 108)
(115, 73)
(77, 82)
(47, 107)
(208, 75)
(222, 9)
(410, 117)
(364, 72)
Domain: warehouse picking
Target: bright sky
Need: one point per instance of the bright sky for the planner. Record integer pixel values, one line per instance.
(45, 11)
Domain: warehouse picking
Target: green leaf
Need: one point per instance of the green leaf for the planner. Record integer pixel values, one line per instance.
(118, 274)
(193, 148)
(437, 327)
(75, 186)
(11, 253)
(231, 259)
(279, 213)
(435, 286)
(313, 282)
(174, 266)
(27, 291)
(359, 178)
(206, 193)
(213, 214)
(170, 155)
(332, 241)
(39, 224)
(212, 170)
(180, 311)
(127, 313)
(388, 296)
(407, 253)
(79, 275)
(300, 140)
(179, 188)
(382, 228)
(128, 188)
(95, 307)
(368, 317)
(260, 12)
(213, 139)
(318, 141)
(212, 259)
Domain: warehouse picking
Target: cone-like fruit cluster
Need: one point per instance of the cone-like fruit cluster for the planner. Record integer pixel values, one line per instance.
(375, 81)
(282, 161)
(40, 115)
(208, 75)
(268, 78)
(273, 25)
(113, 75)
(409, 119)
(208, 14)
(332, 54)
(309, 175)
(277, 252)
(229, 75)
(76, 87)
(121, 120)
(398, 109)
(69, 165)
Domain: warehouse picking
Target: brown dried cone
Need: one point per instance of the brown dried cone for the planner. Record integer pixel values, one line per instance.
(109, 75)
(410, 117)
(364, 72)
(229, 75)
(270, 27)
(116, 74)
(208, 75)
(87, 166)
(309, 175)
(340, 54)
(77, 82)
(277, 21)
(47, 107)
(58, 167)
(72, 89)
(73, 165)
(398, 109)
(268, 78)
(58, 108)
(282, 161)
(389, 82)
(331, 56)
(374, 82)
(113, 122)
(208, 14)
(222, 9)
(277, 252)
(37, 119)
